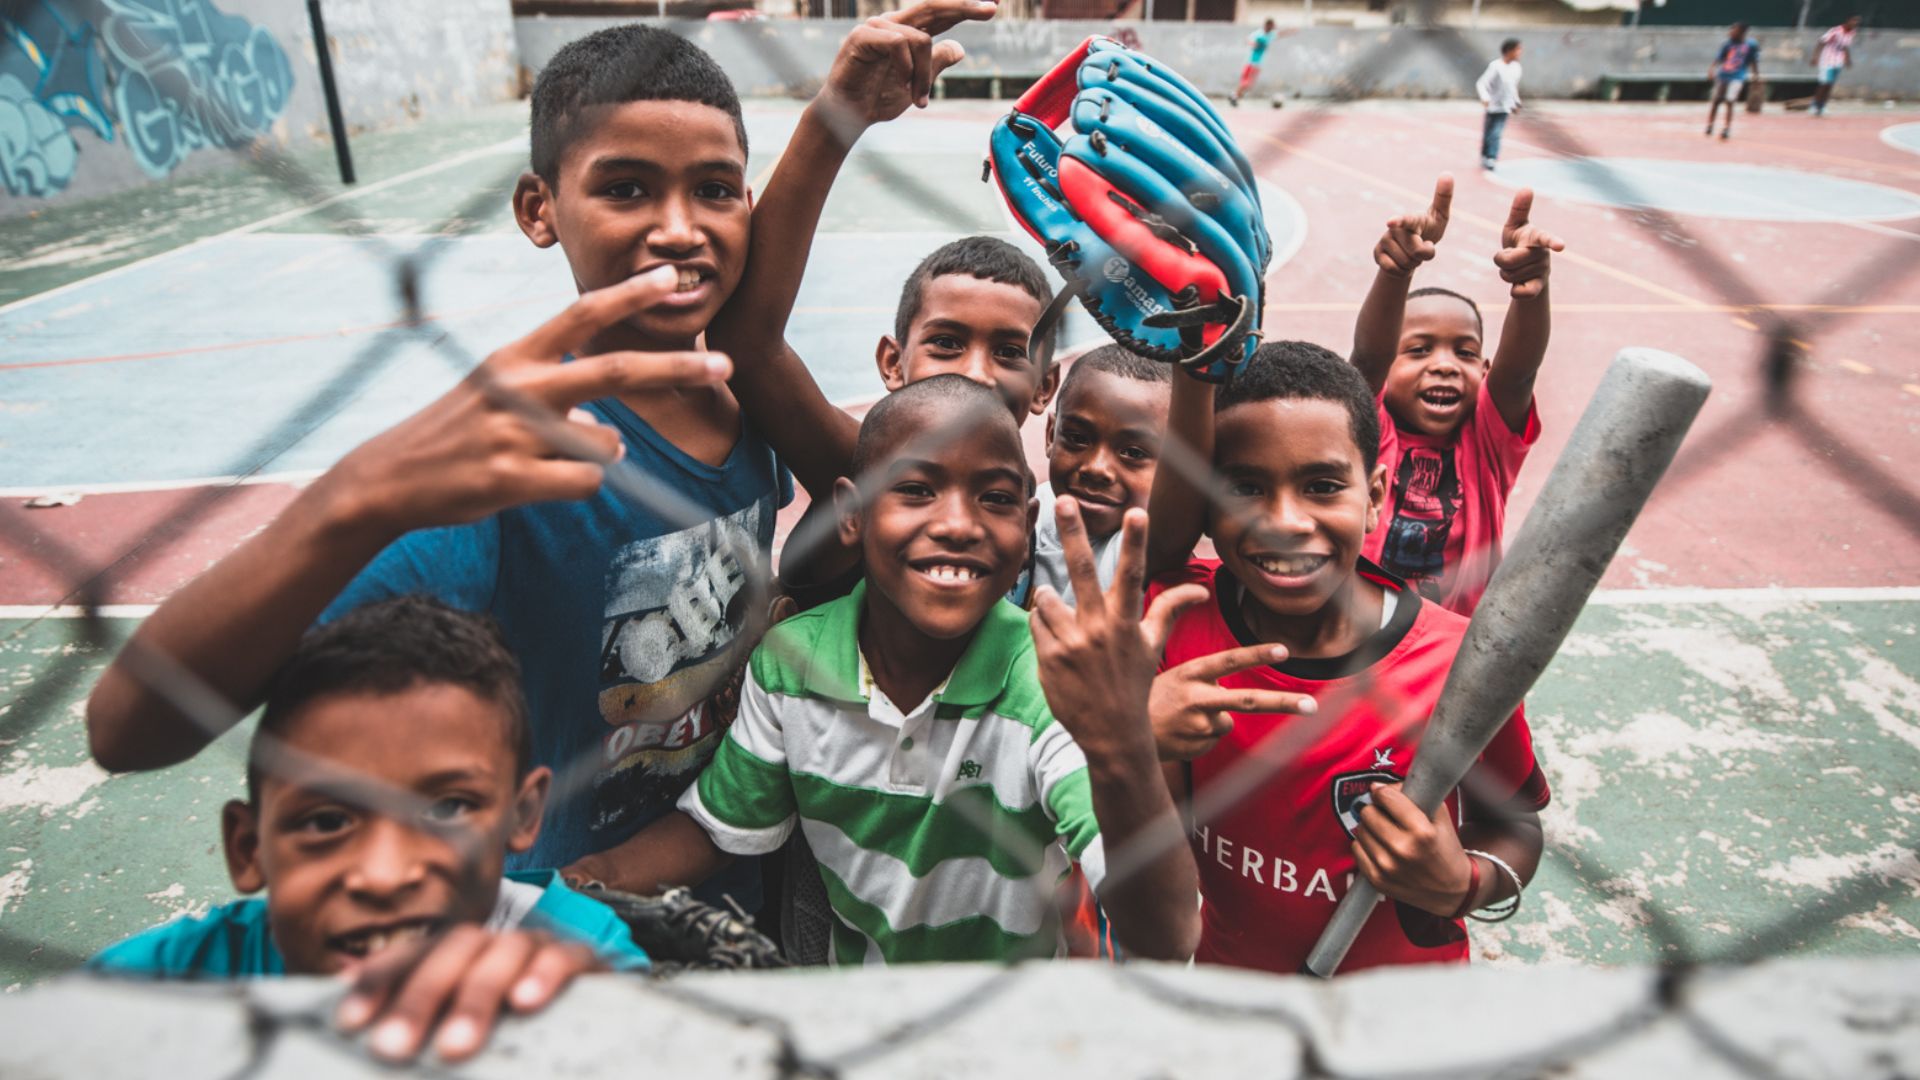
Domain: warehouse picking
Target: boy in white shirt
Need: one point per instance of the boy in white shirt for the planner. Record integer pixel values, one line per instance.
(1499, 89)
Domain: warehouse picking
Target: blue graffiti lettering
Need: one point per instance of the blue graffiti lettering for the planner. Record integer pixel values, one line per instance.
(189, 76)
(36, 153)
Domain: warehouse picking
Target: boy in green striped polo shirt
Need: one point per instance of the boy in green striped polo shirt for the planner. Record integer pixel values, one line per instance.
(905, 728)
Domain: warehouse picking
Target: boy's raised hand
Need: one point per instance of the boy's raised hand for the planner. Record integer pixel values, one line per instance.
(1526, 250)
(466, 975)
(1191, 711)
(1410, 239)
(509, 434)
(890, 61)
(1097, 659)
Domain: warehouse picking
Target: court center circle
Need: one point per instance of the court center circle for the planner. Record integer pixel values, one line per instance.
(1903, 137)
(1709, 189)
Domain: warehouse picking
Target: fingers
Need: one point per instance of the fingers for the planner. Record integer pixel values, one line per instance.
(1081, 569)
(479, 993)
(427, 989)
(554, 965)
(939, 16)
(1391, 801)
(1246, 700)
(614, 373)
(593, 312)
(945, 55)
(1232, 661)
(1166, 608)
(918, 46)
(1521, 208)
(1130, 572)
(1051, 616)
(1441, 208)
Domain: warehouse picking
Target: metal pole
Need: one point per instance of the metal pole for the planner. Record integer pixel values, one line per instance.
(323, 52)
(1636, 14)
(1804, 5)
(663, 9)
(1476, 13)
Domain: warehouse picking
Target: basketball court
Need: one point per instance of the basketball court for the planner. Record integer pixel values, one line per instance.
(1732, 730)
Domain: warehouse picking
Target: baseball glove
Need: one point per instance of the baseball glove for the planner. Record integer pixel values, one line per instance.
(1148, 210)
(679, 932)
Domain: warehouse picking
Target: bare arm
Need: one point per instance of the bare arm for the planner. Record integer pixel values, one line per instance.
(1410, 240)
(1525, 258)
(884, 65)
(1096, 666)
(1177, 503)
(674, 850)
(501, 438)
(1422, 860)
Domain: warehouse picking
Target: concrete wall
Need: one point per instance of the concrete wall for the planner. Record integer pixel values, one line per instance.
(1063, 1021)
(98, 96)
(774, 56)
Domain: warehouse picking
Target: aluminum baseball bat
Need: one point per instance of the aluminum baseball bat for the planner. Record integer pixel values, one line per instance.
(1616, 454)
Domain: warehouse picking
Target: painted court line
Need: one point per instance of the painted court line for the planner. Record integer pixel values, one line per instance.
(296, 478)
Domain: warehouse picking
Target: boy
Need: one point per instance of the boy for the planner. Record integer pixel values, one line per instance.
(1294, 442)
(1454, 430)
(626, 615)
(1103, 444)
(1257, 43)
(1834, 55)
(388, 780)
(1499, 90)
(905, 730)
(1737, 59)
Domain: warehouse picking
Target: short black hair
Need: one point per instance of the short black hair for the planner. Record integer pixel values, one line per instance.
(1480, 324)
(951, 399)
(612, 67)
(1736, 27)
(1293, 370)
(984, 257)
(1509, 45)
(1118, 361)
(388, 647)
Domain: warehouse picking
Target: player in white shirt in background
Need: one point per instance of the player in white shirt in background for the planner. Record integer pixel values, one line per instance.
(1834, 54)
(1499, 89)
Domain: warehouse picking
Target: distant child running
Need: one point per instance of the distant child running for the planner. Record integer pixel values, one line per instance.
(1455, 429)
(1736, 62)
(1499, 90)
(1834, 55)
(1257, 43)
(390, 777)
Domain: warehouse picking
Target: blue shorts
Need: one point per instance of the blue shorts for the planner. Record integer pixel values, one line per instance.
(1830, 75)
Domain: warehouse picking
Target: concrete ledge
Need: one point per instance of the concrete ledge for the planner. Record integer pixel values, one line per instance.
(1851, 1018)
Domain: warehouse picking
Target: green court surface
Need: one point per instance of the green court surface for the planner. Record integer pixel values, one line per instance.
(1720, 766)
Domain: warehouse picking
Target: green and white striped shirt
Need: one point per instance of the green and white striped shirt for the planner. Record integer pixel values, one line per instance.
(941, 833)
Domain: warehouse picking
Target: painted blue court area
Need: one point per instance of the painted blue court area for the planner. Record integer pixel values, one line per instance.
(1904, 136)
(191, 364)
(1710, 189)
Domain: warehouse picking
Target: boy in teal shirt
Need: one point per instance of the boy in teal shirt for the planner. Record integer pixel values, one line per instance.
(389, 779)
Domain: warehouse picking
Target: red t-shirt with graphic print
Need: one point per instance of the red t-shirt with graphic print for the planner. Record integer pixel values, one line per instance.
(1274, 863)
(1447, 502)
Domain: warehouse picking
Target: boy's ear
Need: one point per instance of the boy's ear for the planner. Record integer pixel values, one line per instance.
(889, 357)
(1043, 393)
(533, 210)
(1049, 431)
(240, 835)
(1376, 495)
(529, 803)
(846, 509)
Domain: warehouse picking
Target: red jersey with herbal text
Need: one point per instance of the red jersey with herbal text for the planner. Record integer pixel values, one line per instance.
(1275, 863)
(1447, 501)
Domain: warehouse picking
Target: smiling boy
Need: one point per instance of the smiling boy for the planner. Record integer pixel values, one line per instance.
(905, 731)
(388, 780)
(626, 614)
(1295, 444)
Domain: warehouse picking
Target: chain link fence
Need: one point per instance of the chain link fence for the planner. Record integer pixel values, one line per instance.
(1790, 337)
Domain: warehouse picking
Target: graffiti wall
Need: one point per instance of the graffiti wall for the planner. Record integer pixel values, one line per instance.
(100, 95)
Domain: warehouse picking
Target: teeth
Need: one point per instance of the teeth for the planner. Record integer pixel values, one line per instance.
(951, 574)
(1293, 566)
(689, 277)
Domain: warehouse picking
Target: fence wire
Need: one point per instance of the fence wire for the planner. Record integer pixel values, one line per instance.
(1788, 338)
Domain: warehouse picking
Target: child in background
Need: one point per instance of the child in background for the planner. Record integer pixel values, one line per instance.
(889, 723)
(1103, 444)
(1834, 55)
(1454, 428)
(390, 777)
(1257, 44)
(1294, 440)
(1499, 90)
(1737, 60)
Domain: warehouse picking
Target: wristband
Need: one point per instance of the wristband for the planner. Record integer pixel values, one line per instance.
(1473, 888)
(1508, 907)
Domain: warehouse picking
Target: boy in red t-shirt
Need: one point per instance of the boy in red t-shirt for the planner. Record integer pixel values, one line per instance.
(1288, 805)
(1454, 430)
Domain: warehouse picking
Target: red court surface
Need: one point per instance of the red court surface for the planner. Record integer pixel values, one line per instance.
(1820, 495)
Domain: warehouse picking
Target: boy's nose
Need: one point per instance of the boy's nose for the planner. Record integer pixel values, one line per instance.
(954, 521)
(388, 860)
(676, 229)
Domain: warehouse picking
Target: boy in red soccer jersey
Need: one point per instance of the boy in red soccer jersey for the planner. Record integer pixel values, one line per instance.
(1297, 802)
